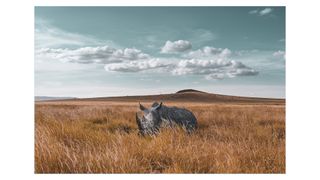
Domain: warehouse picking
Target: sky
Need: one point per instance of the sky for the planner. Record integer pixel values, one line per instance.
(119, 51)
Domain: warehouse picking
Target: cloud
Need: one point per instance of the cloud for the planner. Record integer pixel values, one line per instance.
(209, 52)
(213, 69)
(176, 46)
(253, 11)
(136, 66)
(209, 69)
(262, 12)
(279, 54)
(209, 62)
(265, 11)
(88, 55)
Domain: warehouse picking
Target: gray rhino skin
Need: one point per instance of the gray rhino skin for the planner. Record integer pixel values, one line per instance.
(162, 116)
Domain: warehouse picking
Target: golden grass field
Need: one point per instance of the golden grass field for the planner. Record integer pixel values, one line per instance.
(101, 137)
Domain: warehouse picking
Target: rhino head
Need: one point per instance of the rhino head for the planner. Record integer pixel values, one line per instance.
(150, 121)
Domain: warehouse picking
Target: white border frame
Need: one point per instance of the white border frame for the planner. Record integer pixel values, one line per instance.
(302, 90)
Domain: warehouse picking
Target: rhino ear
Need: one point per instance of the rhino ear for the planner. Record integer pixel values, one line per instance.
(158, 107)
(142, 107)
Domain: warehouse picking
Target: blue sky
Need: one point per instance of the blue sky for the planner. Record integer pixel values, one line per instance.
(111, 51)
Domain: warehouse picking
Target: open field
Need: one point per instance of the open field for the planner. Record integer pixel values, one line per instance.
(100, 136)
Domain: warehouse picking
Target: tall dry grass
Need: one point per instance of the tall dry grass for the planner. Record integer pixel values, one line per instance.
(102, 138)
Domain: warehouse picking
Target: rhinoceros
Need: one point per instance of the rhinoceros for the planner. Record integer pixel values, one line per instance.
(160, 115)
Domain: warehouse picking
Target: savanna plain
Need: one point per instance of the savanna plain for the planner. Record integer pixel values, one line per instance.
(90, 136)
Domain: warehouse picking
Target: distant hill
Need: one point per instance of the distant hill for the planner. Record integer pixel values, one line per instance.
(50, 98)
(189, 90)
(188, 95)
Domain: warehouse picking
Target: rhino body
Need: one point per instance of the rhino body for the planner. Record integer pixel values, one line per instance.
(163, 116)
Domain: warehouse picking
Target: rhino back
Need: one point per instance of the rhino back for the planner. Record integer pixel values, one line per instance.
(179, 116)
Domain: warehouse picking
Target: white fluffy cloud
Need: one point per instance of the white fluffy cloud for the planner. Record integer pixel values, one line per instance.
(262, 12)
(209, 62)
(87, 55)
(176, 46)
(213, 69)
(209, 52)
(136, 66)
(209, 69)
(265, 11)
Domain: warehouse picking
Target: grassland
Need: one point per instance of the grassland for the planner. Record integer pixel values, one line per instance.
(101, 137)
